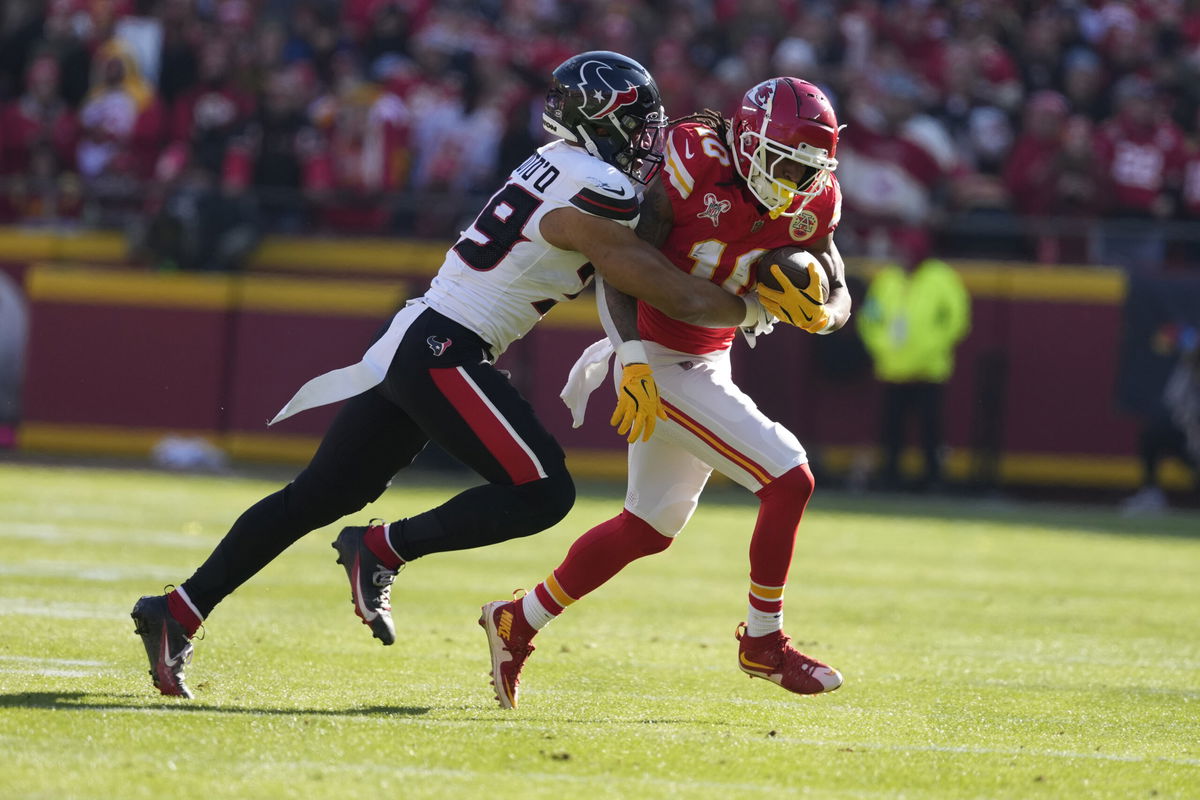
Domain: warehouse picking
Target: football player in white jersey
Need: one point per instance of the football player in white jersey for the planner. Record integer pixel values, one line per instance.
(567, 212)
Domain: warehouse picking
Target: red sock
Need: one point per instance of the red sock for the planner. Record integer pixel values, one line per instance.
(376, 540)
(604, 551)
(783, 502)
(181, 608)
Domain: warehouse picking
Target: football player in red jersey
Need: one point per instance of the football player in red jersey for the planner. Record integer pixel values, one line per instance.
(731, 190)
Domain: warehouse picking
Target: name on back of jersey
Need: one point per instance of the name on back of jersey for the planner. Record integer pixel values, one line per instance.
(534, 165)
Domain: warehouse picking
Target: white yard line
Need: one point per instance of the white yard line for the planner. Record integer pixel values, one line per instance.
(50, 667)
(143, 536)
(65, 662)
(21, 606)
(92, 572)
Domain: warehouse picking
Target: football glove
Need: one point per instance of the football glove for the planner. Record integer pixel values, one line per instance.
(758, 321)
(638, 406)
(796, 306)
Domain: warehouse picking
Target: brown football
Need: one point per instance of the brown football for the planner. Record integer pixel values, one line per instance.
(793, 261)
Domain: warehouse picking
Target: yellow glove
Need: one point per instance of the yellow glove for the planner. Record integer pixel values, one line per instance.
(638, 406)
(796, 306)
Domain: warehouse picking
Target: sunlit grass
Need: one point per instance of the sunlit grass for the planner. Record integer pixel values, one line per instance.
(1010, 651)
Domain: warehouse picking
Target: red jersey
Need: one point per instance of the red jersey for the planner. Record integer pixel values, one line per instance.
(24, 124)
(1139, 163)
(720, 230)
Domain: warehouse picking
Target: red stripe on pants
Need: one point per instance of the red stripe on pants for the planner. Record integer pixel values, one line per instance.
(487, 425)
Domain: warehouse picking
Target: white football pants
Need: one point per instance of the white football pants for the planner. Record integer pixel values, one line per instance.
(712, 425)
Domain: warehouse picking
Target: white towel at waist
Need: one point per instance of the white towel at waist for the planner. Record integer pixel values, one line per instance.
(585, 377)
(346, 382)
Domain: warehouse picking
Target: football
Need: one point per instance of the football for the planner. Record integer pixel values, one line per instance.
(794, 263)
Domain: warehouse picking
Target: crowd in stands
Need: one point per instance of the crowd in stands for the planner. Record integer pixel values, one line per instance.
(214, 120)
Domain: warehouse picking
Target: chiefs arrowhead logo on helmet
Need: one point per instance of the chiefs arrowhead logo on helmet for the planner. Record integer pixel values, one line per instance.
(601, 89)
(762, 94)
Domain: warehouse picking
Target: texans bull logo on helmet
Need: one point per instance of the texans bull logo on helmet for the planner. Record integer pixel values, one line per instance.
(600, 89)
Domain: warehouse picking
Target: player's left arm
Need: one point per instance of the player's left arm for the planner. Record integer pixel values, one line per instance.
(837, 306)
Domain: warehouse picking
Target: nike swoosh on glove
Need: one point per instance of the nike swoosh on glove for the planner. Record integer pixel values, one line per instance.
(638, 405)
(795, 306)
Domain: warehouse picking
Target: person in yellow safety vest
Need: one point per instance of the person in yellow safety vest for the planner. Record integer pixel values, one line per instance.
(915, 314)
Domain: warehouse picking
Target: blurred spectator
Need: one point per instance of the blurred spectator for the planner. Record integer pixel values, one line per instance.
(121, 118)
(938, 98)
(182, 36)
(1085, 83)
(39, 133)
(195, 220)
(211, 112)
(364, 154)
(1032, 172)
(41, 193)
(1140, 154)
(887, 178)
(272, 155)
(1050, 173)
(38, 118)
(388, 35)
(913, 318)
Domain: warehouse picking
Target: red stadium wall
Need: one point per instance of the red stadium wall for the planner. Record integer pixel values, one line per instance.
(120, 358)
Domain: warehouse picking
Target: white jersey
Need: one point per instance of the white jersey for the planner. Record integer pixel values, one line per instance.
(501, 277)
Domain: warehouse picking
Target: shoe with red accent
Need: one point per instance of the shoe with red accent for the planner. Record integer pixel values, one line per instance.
(772, 657)
(168, 646)
(370, 581)
(508, 636)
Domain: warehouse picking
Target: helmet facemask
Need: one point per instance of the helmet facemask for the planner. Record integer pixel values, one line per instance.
(764, 157)
(631, 144)
(642, 156)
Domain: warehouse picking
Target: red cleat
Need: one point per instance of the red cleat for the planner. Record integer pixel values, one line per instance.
(509, 637)
(773, 657)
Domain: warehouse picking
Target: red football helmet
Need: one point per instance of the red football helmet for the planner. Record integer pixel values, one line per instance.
(780, 120)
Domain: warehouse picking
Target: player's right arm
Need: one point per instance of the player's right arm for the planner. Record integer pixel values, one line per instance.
(653, 227)
(637, 269)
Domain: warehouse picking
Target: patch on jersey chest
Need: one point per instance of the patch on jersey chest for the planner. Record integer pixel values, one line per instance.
(803, 226)
(714, 208)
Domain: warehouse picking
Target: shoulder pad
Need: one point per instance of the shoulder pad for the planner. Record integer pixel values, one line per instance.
(595, 187)
(693, 152)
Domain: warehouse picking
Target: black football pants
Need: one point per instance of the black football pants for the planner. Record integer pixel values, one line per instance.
(440, 386)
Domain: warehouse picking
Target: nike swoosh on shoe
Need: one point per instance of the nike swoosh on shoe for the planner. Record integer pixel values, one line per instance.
(363, 611)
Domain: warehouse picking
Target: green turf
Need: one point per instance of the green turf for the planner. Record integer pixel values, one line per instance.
(989, 651)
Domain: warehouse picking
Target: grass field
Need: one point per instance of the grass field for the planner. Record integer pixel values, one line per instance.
(989, 651)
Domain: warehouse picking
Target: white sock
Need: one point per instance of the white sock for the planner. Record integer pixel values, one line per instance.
(535, 613)
(760, 623)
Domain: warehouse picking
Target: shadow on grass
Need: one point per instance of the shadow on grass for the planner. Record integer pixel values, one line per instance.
(85, 701)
